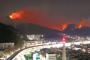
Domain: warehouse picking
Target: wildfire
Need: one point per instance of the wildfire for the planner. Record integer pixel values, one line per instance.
(81, 24)
(16, 15)
(64, 26)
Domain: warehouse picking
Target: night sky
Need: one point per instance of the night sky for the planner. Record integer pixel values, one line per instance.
(48, 13)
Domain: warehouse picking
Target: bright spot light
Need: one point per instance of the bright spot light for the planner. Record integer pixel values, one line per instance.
(15, 16)
(63, 40)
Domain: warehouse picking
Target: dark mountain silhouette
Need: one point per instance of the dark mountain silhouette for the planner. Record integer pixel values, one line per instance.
(51, 34)
(36, 29)
(7, 33)
(71, 30)
(84, 31)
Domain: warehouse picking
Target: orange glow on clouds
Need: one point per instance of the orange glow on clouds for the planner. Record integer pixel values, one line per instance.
(41, 18)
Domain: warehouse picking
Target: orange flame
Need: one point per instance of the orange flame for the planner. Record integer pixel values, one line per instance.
(64, 26)
(16, 15)
(81, 24)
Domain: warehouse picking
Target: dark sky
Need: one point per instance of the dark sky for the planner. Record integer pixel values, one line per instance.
(55, 12)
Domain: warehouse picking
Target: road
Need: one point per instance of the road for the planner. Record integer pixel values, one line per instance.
(13, 55)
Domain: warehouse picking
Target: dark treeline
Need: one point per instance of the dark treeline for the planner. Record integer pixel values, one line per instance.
(7, 33)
